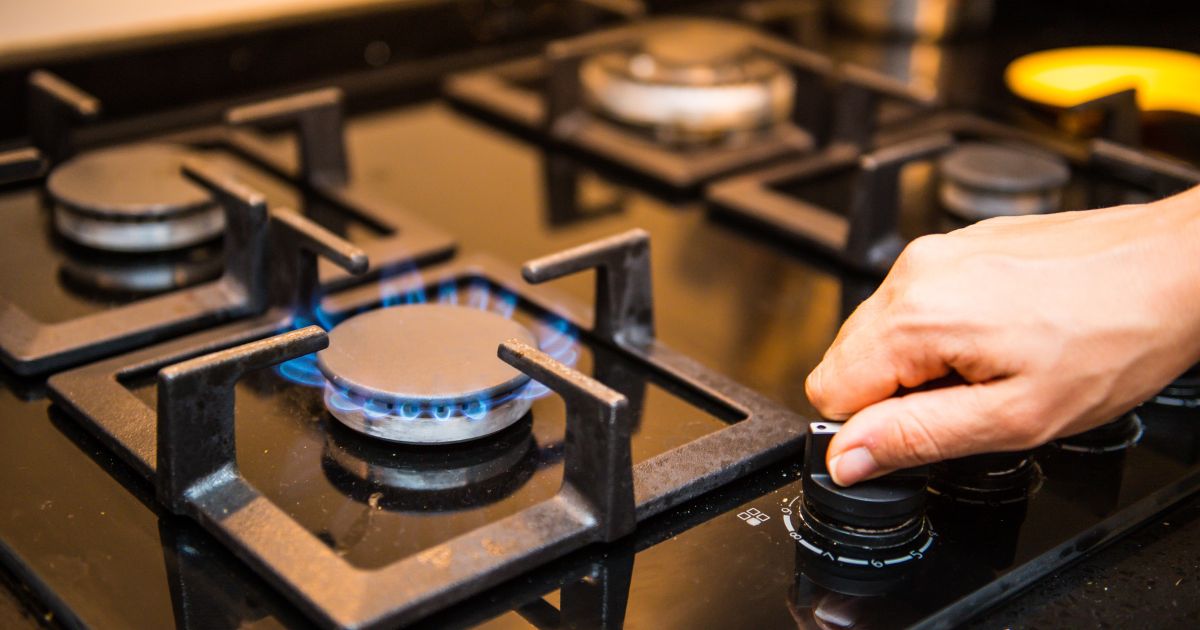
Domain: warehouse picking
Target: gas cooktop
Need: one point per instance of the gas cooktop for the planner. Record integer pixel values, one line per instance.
(526, 349)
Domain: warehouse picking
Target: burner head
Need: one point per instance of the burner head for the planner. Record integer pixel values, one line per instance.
(425, 478)
(982, 180)
(132, 198)
(424, 374)
(106, 275)
(691, 82)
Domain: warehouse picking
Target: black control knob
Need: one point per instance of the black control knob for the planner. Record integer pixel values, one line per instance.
(1183, 391)
(1117, 435)
(881, 513)
(988, 478)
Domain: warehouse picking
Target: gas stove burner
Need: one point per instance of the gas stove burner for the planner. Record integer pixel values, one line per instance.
(692, 82)
(1117, 435)
(108, 275)
(983, 180)
(424, 373)
(132, 198)
(451, 477)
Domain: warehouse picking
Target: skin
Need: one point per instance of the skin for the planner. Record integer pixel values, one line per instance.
(1050, 324)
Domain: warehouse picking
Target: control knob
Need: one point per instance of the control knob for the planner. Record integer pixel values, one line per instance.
(883, 514)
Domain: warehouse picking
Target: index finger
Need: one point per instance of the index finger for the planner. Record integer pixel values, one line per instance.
(868, 362)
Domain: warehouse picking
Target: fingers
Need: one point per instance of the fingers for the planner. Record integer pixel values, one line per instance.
(867, 363)
(929, 426)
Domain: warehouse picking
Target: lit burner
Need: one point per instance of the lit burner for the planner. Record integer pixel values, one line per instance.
(424, 373)
(694, 81)
(132, 198)
(982, 180)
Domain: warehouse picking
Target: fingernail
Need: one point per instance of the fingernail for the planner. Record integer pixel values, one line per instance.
(852, 466)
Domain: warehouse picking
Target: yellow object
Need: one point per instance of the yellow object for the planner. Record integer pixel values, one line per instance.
(1166, 80)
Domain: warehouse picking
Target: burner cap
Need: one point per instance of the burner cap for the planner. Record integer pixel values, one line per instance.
(691, 81)
(983, 180)
(425, 373)
(132, 198)
(698, 42)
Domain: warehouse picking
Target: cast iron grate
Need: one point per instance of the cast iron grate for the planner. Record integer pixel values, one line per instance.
(186, 445)
(29, 345)
(543, 94)
(859, 224)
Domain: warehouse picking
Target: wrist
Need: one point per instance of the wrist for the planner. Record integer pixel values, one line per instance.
(1177, 268)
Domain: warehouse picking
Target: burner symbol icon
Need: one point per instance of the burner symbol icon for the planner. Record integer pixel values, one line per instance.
(754, 517)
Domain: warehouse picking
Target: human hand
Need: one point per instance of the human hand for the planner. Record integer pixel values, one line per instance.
(1057, 323)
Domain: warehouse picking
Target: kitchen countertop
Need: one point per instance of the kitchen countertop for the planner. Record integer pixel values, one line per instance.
(56, 30)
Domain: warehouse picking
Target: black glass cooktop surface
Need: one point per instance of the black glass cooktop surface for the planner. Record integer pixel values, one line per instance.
(90, 530)
(86, 533)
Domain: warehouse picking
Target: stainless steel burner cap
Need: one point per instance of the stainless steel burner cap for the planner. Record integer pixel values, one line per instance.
(132, 198)
(982, 180)
(424, 374)
(690, 81)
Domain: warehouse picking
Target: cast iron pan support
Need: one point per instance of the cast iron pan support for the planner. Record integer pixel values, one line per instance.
(1120, 119)
(55, 107)
(318, 118)
(859, 93)
(293, 273)
(1163, 176)
(197, 459)
(295, 283)
(197, 474)
(564, 92)
(624, 300)
(873, 239)
(598, 464)
(20, 165)
(245, 231)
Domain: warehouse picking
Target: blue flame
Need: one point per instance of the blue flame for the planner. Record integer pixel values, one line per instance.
(406, 287)
(556, 337)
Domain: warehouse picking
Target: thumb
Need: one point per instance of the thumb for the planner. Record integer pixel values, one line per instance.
(926, 427)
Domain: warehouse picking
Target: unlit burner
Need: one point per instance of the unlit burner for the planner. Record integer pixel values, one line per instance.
(132, 198)
(693, 81)
(106, 275)
(981, 180)
(424, 374)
